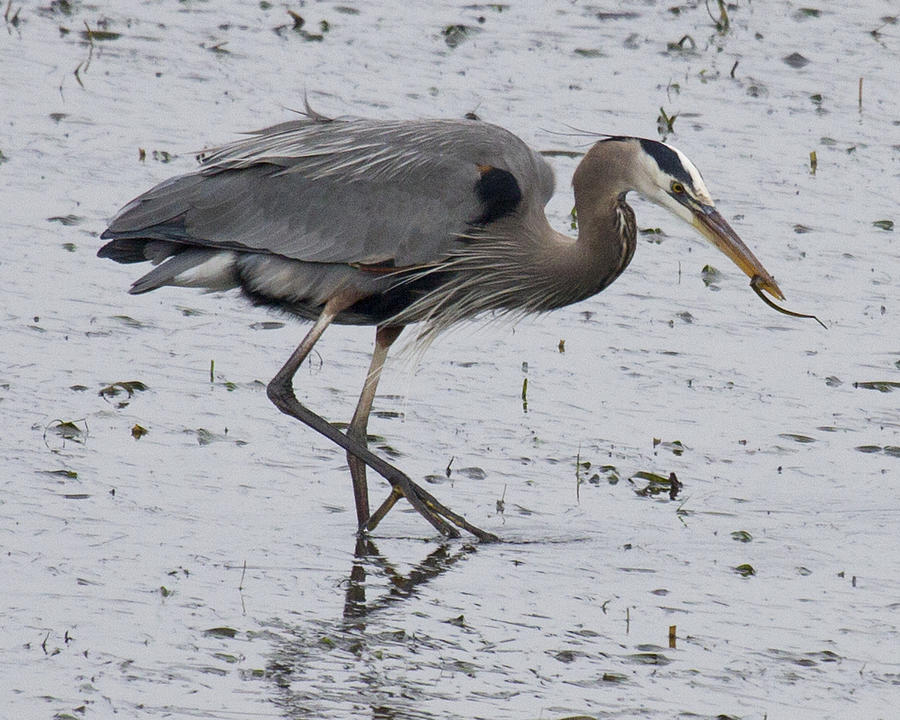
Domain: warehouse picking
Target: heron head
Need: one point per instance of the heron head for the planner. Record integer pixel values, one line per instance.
(668, 178)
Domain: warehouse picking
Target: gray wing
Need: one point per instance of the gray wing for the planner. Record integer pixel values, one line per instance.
(341, 191)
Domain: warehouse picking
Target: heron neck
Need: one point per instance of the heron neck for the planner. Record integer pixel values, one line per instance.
(606, 226)
(605, 245)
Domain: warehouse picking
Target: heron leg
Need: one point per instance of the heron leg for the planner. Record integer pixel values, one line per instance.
(281, 392)
(384, 338)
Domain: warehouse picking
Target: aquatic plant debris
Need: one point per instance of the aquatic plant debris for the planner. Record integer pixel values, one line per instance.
(754, 283)
(128, 386)
(796, 60)
(67, 430)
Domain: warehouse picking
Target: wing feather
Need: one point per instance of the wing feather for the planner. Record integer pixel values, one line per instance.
(338, 191)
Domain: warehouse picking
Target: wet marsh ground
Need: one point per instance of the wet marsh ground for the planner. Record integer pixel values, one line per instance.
(174, 547)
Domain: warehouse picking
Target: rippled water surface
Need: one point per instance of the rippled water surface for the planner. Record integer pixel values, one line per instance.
(210, 568)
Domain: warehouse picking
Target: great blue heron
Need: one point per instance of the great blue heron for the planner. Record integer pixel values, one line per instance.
(388, 223)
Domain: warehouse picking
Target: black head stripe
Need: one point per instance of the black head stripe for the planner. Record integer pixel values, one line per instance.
(668, 161)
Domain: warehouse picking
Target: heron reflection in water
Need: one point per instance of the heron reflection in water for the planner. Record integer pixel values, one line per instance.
(389, 223)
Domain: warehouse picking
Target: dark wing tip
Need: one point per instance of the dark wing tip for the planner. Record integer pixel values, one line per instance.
(122, 250)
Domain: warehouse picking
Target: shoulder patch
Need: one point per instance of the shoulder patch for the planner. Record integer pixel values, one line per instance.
(499, 193)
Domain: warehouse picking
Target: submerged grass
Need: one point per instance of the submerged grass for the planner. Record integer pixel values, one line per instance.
(67, 430)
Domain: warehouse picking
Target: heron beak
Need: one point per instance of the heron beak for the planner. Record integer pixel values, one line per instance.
(714, 228)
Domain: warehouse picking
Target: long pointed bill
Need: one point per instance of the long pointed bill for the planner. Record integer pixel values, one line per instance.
(715, 228)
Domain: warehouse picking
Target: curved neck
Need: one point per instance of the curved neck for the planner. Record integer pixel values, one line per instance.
(606, 229)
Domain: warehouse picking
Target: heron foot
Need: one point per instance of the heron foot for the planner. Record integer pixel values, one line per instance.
(429, 507)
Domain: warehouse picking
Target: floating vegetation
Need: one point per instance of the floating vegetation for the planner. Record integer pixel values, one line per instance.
(710, 276)
(685, 44)
(797, 438)
(162, 156)
(612, 677)
(222, 632)
(501, 502)
(656, 484)
(66, 220)
(884, 225)
(723, 24)
(128, 321)
(138, 431)
(879, 385)
(675, 446)
(127, 386)
(67, 430)
(741, 536)
(757, 88)
(219, 48)
(665, 123)
(225, 657)
(64, 474)
(101, 35)
(649, 658)
(86, 63)
(611, 473)
(473, 473)
(205, 437)
(890, 450)
(653, 235)
(795, 60)
(617, 15)
(580, 465)
(566, 656)
(745, 570)
(298, 26)
(455, 35)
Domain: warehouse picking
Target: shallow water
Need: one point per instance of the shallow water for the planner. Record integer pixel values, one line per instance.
(209, 569)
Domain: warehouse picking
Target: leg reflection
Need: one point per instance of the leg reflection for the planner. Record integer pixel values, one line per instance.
(369, 564)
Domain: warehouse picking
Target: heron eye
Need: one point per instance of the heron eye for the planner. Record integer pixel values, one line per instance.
(677, 187)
